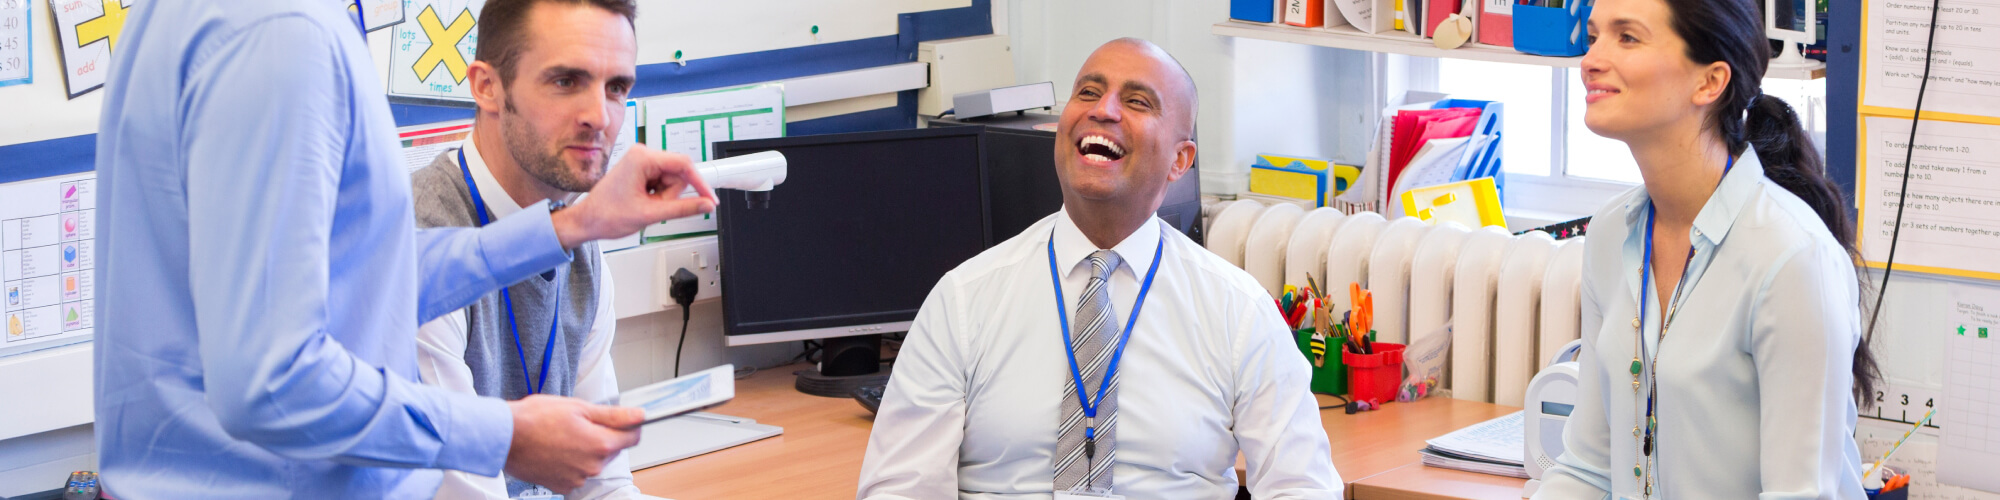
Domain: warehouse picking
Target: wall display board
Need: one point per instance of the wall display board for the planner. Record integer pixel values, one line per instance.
(1953, 213)
(87, 31)
(47, 252)
(1950, 212)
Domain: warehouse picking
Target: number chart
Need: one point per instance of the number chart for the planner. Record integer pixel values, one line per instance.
(16, 38)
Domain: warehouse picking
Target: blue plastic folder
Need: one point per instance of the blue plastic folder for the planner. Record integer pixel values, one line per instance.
(1258, 11)
(1483, 161)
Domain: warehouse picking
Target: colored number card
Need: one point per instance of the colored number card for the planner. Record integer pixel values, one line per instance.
(16, 41)
(430, 53)
(87, 31)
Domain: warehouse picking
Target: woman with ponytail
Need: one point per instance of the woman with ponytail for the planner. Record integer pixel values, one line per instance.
(1723, 350)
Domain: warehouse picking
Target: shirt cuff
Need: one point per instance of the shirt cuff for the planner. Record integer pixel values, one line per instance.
(520, 245)
(477, 433)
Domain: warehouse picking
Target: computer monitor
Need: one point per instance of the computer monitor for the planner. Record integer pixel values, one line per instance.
(1021, 175)
(852, 242)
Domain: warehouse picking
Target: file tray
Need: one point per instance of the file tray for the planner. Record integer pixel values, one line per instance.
(1551, 31)
(1483, 161)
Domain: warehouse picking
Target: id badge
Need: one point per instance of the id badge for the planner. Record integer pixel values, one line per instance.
(1089, 494)
(538, 493)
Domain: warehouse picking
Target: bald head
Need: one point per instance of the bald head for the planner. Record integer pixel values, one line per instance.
(1125, 134)
(1179, 98)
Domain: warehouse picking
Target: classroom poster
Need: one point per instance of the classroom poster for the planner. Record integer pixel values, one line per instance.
(1965, 67)
(16, 42)
(86, 32)
(431, 52)
(47, 254)
(1969, 449)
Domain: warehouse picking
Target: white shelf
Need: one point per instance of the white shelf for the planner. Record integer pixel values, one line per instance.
(1399, 42)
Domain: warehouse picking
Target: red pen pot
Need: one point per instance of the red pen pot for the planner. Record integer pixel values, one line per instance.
(1374, 376)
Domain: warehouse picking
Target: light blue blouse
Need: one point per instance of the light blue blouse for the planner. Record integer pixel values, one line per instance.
(1754, 396)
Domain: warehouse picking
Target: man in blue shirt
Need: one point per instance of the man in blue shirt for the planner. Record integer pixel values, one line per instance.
(263, 280)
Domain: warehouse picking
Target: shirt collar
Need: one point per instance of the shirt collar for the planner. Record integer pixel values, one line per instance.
(498, 201)
(1719, 213)
(1072, 247)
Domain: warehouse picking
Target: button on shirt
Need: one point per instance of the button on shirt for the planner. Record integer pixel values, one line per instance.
(256, 337)
(971, 409)
(1755, 376)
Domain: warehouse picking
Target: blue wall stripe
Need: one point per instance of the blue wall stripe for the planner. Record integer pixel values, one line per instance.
(35, 160)
(77, 154)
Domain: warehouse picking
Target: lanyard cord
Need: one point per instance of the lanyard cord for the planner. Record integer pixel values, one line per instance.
(555, 319)
(1645, 277)
(1062, 313)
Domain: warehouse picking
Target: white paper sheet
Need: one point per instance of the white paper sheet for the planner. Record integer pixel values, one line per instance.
(1969, 452)
(1952, 222)
(47, 251)
(1965, 72)
(1499, 439)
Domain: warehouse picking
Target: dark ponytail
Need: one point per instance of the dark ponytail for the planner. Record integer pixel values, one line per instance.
(1732, 31)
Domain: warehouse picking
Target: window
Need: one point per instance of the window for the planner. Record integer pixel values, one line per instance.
(1556, 168)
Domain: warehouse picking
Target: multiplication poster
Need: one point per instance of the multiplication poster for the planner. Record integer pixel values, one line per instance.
(47, 254)
(432, 50)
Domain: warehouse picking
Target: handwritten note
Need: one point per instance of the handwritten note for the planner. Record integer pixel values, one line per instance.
(1918, 458)
(16, 54)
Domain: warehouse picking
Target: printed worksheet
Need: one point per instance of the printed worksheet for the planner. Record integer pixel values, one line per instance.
(1969, 450)
(47, 243)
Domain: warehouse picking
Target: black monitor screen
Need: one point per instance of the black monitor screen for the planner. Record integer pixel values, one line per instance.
(862, 229)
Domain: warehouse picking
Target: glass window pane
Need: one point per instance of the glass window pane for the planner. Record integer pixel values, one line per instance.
(1591, 155)
(1524, 91)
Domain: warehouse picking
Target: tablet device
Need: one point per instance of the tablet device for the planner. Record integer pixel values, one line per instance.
(698, 391)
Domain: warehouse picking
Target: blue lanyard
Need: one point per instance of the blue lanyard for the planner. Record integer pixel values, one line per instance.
(1062, 312)
(555, 319)
(1645, 285)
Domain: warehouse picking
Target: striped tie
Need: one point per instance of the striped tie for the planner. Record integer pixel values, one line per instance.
(1093, 333)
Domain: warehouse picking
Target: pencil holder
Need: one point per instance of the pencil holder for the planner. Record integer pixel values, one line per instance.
(1896, 494)
(1375, 376)
(1551, 31)
(1331, 377)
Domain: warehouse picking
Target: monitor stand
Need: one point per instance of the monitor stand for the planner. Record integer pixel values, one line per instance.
(846, 364)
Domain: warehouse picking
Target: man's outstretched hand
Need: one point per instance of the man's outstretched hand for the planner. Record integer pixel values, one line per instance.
(644, 188)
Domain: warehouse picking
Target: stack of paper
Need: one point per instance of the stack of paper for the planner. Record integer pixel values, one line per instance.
(1492, 447)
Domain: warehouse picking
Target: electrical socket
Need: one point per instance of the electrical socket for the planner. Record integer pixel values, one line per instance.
(642, 273)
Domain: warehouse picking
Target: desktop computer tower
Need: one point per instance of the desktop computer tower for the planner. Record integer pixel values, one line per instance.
(1022, 183)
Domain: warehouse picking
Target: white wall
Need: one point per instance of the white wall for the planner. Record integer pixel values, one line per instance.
(644, 350)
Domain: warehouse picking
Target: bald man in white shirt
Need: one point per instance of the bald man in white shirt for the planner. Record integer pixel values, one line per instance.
(984, 401)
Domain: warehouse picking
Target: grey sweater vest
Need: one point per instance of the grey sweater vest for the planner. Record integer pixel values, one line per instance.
(442, 200)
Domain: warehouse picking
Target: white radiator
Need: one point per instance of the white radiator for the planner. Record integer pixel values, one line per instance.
(1506, 301)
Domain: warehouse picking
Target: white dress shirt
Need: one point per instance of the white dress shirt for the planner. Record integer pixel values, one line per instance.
(441, 362)
(1754, 394)
(971, 408)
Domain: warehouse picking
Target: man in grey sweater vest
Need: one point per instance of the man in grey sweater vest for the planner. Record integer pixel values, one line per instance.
(550, 80)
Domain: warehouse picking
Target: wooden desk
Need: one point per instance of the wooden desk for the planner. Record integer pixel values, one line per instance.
(1417, 482)
(819, 455)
